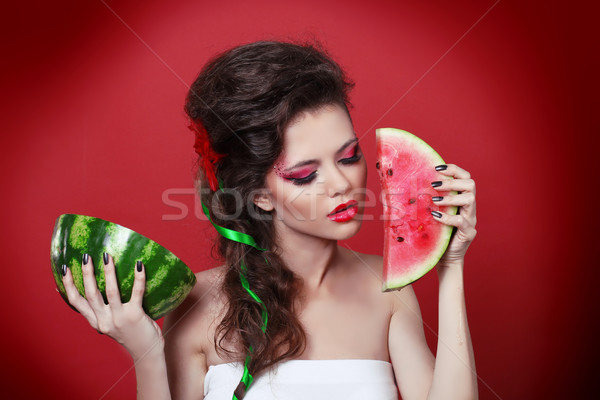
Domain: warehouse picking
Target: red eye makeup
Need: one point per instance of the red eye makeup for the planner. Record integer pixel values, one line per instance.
(350, 152)
(352, 156)
(305, 174)
(298, 177)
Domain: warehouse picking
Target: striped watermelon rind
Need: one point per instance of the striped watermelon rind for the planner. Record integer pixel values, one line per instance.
(168, 279)
(407, 207)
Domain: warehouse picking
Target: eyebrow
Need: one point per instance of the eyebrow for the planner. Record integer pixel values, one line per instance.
(306, 162)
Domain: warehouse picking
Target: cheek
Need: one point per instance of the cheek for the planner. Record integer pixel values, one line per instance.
(301, 207)
(289, 199)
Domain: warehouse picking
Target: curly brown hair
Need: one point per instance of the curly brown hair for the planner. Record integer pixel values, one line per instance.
(245, 98)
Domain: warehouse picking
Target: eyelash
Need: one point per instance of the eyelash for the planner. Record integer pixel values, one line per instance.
(303, 181)
(346, 161)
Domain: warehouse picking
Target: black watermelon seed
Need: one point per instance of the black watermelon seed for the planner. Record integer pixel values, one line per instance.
(400, 239)
(411, 201)
(377, 165)
(390, 172)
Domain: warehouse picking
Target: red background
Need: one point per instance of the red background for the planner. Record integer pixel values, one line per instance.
(93, 124)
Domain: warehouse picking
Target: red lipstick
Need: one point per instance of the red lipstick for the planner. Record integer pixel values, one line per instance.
(344, 212)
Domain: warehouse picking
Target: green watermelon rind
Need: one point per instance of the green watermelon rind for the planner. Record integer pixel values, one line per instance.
(428, 264)
(168, 279)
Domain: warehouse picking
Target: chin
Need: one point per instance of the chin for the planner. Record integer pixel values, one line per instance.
(347, 229)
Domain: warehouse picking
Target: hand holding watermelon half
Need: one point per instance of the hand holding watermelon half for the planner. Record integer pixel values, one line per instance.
(127, 323)
(414, 241)
(167, 279)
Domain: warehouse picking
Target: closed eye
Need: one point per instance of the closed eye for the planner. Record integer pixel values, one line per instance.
(354, 159)
(303, 181)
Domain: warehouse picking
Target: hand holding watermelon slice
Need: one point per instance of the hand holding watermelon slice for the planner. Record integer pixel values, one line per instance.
(420, 200)
(460, 182)
(127, 323)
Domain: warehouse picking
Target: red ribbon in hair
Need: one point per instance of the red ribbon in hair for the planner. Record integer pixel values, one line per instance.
(209, 156)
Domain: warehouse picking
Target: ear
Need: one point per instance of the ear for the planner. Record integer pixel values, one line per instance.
(263, 200)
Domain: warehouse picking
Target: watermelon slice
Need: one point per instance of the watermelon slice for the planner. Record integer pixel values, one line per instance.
(168, 279)
(414, 241)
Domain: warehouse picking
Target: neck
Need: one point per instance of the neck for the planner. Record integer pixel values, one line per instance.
(309, 257)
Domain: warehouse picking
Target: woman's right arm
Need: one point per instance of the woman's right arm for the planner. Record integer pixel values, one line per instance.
(185, 358)
(151, 376)
(179, 364)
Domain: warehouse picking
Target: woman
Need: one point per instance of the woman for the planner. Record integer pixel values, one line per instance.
(290, 314)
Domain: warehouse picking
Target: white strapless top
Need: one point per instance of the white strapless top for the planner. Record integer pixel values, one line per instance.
(307, 379)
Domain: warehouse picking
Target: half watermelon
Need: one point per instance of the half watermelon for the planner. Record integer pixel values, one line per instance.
(168, 279)
(414, 241)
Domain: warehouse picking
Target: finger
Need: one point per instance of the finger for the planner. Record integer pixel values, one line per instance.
(139, 284)
(112, 287)
(465, 202)
(458, 185)
(453, 170)
(463, 224)
(76, 299)
(92, 293)
(465, 199)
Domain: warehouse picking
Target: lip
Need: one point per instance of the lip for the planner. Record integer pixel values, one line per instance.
(341, 216)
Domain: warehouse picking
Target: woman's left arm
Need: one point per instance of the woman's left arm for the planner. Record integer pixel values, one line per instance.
(454, 375)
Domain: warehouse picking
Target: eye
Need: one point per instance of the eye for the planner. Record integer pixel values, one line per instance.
(351, 160)
(303, 181)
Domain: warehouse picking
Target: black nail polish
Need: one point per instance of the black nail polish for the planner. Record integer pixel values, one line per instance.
(441, 167)
(63, 269)
(436, 214)
(436, 183)
(105, 257)
(86, 258)
(139, 266)
(437, 198)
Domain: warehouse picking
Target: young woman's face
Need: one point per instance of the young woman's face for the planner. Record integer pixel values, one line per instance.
(322, 167)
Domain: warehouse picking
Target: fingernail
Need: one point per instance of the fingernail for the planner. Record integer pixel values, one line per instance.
(436, 214)
(436, 183)
(86, 257)
(139, 266)
(441, 167)
(437, 198)
(105, 257)
(63, 269)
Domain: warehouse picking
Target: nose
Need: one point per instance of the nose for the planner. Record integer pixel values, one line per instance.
(337, 182)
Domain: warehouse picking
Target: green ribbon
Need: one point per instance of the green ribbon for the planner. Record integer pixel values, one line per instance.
(249, 240)
(231, 234)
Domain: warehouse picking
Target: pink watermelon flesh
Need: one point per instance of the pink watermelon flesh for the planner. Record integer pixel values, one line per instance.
(414, 240)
